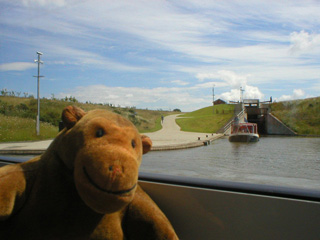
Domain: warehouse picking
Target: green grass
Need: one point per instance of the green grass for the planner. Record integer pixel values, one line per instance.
(50, 111)
(18, 116)
(204, 120)
(302, 116)
(24, 129)
(153, 124)
(149, 120)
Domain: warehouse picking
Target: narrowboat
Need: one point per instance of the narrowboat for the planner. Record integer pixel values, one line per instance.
(244, 132)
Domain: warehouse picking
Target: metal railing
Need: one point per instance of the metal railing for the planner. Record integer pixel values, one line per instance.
(228, 125)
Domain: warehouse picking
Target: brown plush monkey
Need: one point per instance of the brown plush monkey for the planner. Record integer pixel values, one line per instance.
(85, 186)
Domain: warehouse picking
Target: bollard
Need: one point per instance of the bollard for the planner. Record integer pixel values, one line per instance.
(198, 138)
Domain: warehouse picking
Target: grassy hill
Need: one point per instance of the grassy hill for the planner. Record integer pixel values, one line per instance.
(23, 129)
(204, 120)
(17, 117)
(302, 116)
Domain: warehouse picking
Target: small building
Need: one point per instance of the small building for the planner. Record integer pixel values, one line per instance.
(219, 101)
(251, 103)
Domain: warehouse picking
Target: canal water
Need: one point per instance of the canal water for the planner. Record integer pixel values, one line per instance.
(279, 161)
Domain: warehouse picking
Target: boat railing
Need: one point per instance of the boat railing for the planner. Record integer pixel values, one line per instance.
(228, 125)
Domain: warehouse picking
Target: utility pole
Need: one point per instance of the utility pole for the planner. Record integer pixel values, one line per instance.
(241, 92)
(213, 99)
(241, 97)
(38, 92)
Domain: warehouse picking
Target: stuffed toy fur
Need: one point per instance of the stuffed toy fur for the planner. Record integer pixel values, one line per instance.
(85, 186)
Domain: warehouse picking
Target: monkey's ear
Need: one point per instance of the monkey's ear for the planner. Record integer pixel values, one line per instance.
(146, 144)
(71, 115)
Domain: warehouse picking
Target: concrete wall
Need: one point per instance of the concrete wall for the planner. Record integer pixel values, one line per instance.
(275, 127)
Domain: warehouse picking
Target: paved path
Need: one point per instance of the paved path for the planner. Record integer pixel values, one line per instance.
(169, 137)
(32, 145)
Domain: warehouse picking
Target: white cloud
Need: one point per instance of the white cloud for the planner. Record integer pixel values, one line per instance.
(44, 3)
(250, 92)
(194, 34)
(303, 41)
(17, 66)
(185, 98)
(227, 44)
(296, 94)
(203, 76)
(232, 95)
(179, 82)
(229, 77)
(162, 26)
(76, 56)
(232, 80)
(209, 85)
(154, 98)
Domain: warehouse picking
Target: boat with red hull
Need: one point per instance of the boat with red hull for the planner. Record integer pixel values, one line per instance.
(244, 132)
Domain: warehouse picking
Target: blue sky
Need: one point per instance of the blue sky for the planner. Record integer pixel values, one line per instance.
(160, 54)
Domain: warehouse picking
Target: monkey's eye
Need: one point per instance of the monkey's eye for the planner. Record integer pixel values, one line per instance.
(133, 143)
(100, 132)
